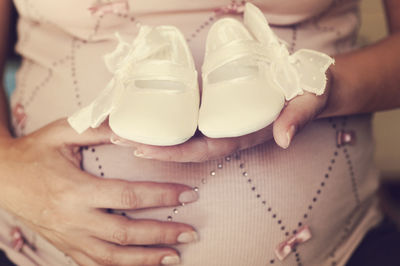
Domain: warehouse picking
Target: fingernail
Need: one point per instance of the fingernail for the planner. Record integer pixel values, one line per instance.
(290, 134)
(115, 140)
(284, 140)
(140, 154)
(187, 237)
(170, 260)
(188, 196)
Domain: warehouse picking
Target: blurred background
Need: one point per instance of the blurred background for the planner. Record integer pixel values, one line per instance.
(386, 124)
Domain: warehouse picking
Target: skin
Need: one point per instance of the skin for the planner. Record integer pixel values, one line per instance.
(42, 183)
(370, 75)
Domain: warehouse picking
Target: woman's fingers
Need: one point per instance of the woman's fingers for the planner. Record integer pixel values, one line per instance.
(298, 112)
(83, 259)
(119, 194)
(101, 253)
(109, 254)
(60, 133)
(120, 230)
(201, 148)
(63, 201)
(197, 149)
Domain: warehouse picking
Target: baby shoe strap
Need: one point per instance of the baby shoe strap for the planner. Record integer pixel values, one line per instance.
(158, 70)
(234, 51)
(95, 113)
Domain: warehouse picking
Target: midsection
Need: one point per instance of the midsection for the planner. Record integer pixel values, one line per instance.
(251, 201)
(254, 199)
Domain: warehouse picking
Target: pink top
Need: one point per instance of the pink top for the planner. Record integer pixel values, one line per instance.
(256, 205)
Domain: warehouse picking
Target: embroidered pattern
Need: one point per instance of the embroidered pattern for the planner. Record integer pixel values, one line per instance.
(104, 7)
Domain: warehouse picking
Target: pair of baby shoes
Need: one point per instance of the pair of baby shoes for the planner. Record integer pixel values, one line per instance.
(247, 74)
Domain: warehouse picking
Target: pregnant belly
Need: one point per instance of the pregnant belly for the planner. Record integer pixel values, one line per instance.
(253, 200)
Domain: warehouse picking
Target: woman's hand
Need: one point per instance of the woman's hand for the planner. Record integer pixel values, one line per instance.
(296, 114)
(42, 184)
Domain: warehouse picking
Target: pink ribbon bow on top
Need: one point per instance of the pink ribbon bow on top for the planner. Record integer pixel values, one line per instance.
(18, 240)
(19, 115)
(287, 246)
(345, 137)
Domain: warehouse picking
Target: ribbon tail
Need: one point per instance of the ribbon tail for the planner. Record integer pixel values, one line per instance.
(125, 51)
(258, 25)
(95, 113)
(113, 59)
(287, 79)
(311, 67)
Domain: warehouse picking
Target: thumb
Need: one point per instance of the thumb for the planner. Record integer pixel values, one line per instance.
(61, 133)
(298, 112)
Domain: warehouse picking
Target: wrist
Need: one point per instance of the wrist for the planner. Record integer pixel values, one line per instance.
(342, 89)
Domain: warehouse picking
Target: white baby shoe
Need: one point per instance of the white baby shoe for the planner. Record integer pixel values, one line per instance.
(248, 73)
(154, 96)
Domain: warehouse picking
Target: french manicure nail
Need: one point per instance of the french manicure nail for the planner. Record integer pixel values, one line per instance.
(289, 134)
(115, 140)
(140, 154)
(170, 260)
(188, 196)
(187, 237)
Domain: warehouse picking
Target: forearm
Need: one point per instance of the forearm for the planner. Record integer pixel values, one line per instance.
(5, 6)
(4, 116)
(366, 80)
